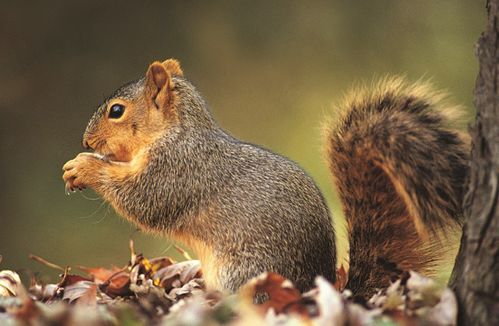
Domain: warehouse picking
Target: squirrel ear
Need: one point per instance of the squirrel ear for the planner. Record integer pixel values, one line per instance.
(173, 67)
(158, 85)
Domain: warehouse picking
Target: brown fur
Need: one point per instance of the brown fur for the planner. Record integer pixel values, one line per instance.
(168, 167)
(400, 172)
(173, 66)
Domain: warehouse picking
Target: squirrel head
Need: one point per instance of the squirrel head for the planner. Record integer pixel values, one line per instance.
(136, 114)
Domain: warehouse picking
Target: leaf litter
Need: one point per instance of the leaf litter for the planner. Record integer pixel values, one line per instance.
(162, 291)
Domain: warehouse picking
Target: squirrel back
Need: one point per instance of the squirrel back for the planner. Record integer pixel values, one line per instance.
(400, 171)
(163, 162)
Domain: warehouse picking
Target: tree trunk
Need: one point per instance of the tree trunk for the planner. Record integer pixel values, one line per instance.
(475, 276)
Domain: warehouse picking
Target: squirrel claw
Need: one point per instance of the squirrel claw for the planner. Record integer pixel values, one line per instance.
(68, 190)
(78, 171)
(71, 188)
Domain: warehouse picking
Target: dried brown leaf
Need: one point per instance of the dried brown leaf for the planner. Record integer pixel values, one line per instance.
(100, 274)
(82, 291)
(177, 274)
(118, 285)
(70, 279)
(330, 303)
(9, 283)
(194, 286)
(160, 262)
(282, 295)
(44, 292)
(341, 278)
(444, 312)
(422, 291)
(27, 311)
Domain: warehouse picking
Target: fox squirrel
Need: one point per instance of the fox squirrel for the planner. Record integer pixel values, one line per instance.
(162, 161)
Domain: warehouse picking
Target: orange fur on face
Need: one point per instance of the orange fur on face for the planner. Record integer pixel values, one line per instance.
(121, 139)
(146, 117)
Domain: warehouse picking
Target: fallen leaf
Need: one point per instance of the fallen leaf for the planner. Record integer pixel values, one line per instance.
(341, 278)
(282, 295)
(86, 291)
(117, 285)
(44, 292)
(422, 291)
(444, 312)
(177, 274)
(26, 312)
(99, 274)
(330, 303)
(70, 279)
(9, 283)
(394, 298)
(160, 262)
(192, 287)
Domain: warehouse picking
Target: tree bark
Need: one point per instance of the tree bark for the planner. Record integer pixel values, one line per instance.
(475, 276)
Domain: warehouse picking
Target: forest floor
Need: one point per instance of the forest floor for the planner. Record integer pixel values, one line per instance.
(161, 291)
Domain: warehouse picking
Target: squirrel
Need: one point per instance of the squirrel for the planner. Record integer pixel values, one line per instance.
(162, 161)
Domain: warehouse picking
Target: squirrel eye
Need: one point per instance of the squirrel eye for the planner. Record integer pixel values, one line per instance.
(116, 111)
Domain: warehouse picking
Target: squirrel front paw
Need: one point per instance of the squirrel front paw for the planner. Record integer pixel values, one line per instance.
(82, 171)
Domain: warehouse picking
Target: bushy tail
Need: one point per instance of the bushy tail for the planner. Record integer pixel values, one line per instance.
(400, 171)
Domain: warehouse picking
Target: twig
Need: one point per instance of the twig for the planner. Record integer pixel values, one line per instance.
(183, 252)
(46, 263)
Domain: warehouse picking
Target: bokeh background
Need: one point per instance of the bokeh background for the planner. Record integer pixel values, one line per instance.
(270, 71)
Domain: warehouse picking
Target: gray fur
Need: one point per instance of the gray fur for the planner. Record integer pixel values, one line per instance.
(258, 210)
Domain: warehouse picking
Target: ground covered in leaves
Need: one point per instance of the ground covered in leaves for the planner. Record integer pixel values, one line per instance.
(161, 291)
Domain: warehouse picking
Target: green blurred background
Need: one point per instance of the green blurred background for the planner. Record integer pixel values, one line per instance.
(270, 71)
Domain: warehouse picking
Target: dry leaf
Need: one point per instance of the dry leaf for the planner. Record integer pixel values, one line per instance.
(86, 291)
(44, 292)
(341, 278)
(177, 274)
(9, 283)
(282, 295)
(160, 290)
(331, 306)
(444, 312)
(70, 279)
(99, 274)
(160, 262)
(117, 285)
